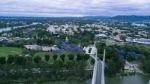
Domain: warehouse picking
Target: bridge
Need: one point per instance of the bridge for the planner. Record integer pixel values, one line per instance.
(98, 71)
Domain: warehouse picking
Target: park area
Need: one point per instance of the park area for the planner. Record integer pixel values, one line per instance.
(5, 51)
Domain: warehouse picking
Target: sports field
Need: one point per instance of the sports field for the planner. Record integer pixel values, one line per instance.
(5, 51)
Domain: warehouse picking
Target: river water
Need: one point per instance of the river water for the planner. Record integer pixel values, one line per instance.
(16, 27)
(134, 79)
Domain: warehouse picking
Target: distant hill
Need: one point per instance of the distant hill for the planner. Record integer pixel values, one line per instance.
(131, 18)
(119, 17)
(97, 17)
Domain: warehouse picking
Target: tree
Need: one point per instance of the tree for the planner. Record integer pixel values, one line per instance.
(19, 60)
(71, 56)
(37, 59)
(79, 57)
(146, 66)
(47, 57)
(114, 67)
(55, 57)
(10, 59)
(2, 60)
(62, 57)
(130, 58)
(92, 61)
(86, 56)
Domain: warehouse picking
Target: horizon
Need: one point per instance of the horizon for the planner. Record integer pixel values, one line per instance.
(74, 16)
(70, 8)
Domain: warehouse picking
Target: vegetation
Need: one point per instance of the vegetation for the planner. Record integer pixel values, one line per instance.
(17, 63)
(5, 51)
(28, 68)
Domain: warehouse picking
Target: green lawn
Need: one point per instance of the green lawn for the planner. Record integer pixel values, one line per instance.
(5, 51)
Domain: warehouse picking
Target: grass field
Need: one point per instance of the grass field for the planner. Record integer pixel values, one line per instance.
(5, 51)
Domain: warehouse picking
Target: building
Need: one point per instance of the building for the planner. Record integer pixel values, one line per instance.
(90, 50)
(139, 40)
(3, 38)
(69, 46)
(130, 68)
(33, 47)
(138, 25)
(46, 48)
(42, 48)
(50, 48)
(101, 36)
(142, 40)
(52, 30)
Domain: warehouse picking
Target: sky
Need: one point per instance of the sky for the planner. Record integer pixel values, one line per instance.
(77, 8)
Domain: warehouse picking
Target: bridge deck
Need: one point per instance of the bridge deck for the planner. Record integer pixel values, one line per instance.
(99, 72)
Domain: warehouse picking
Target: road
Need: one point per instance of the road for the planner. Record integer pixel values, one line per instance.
(99, 72)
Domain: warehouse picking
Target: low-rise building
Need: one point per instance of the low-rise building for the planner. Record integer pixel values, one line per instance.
(33, 47)
(138, 40)
(129, 67)
(42, 48)
(50, 48)
(46, 48)
(90, 50)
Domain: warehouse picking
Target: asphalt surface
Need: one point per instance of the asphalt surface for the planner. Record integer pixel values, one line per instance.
(99, 72)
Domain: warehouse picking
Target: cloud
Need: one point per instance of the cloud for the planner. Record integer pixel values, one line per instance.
(74, 7)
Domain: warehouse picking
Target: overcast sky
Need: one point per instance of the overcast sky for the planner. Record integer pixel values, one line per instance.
(60, 8)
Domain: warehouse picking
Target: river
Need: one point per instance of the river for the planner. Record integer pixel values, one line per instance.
(16, 27)
(134, 79)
